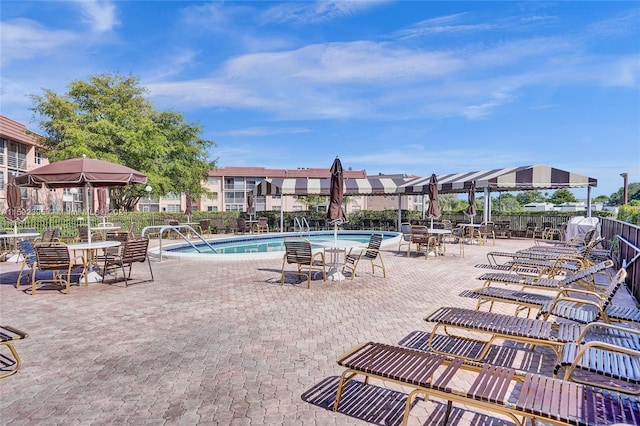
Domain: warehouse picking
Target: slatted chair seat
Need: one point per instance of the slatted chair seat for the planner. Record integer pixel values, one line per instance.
(581, 309)
(298, 251)
(585, 278)
(510, 268)
(54, 258)
(10, 365)
(371, 254)
(133, 251)
(28, 253)
(499, 326)
(602, 364)
(491, 388)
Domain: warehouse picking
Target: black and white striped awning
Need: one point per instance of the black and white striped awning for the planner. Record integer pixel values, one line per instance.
(508, 179)
(320, 186)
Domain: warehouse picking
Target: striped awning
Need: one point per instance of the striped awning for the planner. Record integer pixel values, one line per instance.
(508, 179)
(320, 186)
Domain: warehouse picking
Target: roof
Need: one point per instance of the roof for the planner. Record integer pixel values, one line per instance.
(375, 185)
(305, 172)
(508, 179)
(11, 129)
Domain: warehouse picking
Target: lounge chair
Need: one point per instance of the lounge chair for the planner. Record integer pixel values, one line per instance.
(494, 326)
(371, 253)
(585, 278)
(573, 304)
(298, 251)
(492, 388)
(604, 364)
(10, 365)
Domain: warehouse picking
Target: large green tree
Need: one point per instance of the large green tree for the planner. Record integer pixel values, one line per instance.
(633, 193)
(506, 203)
(108, 117)
(562, 196)
(528, 197)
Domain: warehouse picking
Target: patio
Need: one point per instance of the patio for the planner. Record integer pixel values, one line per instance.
(223, 342)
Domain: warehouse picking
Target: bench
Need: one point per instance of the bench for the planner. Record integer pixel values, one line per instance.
(493, 388)
(10, 365)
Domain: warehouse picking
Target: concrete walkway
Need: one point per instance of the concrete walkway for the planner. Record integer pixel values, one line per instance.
(222, 343)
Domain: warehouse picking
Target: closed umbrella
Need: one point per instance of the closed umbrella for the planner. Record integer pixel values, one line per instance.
(103, 207)
(471, 209)
(434, 209)
(15, 213)
(335, 214)
(250, 204)
(81, 172)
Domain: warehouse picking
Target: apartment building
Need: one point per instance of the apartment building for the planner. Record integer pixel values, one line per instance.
(229, 187)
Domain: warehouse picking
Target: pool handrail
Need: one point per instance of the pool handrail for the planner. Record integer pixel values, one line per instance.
(176, 228)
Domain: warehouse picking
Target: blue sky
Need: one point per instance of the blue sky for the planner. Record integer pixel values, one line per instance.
(391, 87)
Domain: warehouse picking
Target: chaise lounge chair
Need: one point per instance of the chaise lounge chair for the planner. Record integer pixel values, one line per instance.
(493, 388)
(573, 304)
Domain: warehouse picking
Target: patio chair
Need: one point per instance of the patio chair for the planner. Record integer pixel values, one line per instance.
(371, 254)
(54, 258)
(241, 226)
(133, 251)
(491, 388)
(533, 231)
(28, 253)
(405, 238)
(262, 225)
(298, 252)
(48, 236)
(10, 365)
(204, 226)
(486, 231)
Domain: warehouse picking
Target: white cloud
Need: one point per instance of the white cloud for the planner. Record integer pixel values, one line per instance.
(99, 15)
(24, 38)
(315, 12)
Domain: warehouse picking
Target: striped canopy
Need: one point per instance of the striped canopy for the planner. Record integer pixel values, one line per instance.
(321, 186)
(509, 179)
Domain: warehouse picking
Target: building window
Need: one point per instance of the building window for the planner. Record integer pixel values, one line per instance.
(212, 180)
(38, 155)
(173, 208)
(212, 208)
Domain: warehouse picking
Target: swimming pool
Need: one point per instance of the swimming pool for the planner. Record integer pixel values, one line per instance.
(259, 246)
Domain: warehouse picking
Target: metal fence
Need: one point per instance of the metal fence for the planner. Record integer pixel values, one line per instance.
(625, 239)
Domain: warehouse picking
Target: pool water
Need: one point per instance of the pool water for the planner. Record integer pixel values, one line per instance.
(268, 243)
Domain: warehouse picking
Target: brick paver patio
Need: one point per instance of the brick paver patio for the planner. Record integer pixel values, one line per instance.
(222, 343)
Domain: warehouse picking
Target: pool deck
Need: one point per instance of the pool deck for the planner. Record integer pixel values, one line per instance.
(224, 343)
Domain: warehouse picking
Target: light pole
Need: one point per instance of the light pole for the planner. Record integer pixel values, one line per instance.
(625, 187)
(148, 189)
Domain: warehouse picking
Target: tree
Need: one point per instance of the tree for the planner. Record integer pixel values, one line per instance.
(506, 203)
(601, 199)
(633, 193)
(108, 117)
(528, 197)
(562, 196)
